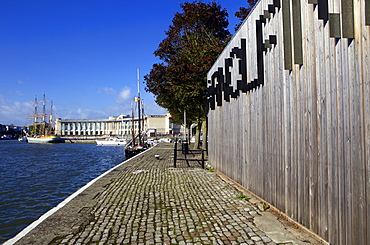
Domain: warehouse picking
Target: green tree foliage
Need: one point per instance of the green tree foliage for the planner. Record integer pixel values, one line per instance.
(192, 44)
(243, 12)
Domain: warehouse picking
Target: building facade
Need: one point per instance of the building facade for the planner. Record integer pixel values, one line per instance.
(116, 126)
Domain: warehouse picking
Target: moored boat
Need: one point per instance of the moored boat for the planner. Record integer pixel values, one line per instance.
(23, 139)
(133, 148)
(4, 137)
(45, 139)
(112, 142)
(42, 130)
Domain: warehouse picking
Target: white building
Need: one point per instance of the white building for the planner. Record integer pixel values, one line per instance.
(116, 126)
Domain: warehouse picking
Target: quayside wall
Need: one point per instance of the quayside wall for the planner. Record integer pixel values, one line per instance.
(289, 115)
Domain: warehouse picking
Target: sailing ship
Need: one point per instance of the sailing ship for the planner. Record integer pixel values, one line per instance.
(136, 144)
(42, 129)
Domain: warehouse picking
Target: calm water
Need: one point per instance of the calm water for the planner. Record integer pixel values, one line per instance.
(36, 177)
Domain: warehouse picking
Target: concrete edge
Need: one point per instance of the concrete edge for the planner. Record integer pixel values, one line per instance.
(34, 224)
(272, 207)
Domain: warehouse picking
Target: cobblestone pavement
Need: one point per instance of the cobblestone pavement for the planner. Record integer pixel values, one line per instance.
(148, 201)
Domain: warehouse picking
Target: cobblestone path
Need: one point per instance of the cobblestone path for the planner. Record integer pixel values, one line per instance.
(148, 201)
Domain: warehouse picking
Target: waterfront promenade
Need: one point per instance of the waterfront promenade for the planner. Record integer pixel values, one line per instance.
(147, 201)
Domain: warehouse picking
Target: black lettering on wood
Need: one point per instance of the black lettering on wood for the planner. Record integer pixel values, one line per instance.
(220, 88)
(262, 19)
(297, 30)
(287, 31)
(243, 66)
(241, 54)
(334, 25)
(267, 45)
(273, 39)
(266, 14)
(211, 97)
(367, 12)
(228, 64)
(260, 64)
(271, 8)
(323, 9)
(313, 1)
(348, 30)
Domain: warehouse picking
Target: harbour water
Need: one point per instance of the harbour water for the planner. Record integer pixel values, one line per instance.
(36, 177)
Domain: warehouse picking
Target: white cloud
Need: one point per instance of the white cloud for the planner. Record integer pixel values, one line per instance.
(83, 113)
(14, 112)
(108, 91)
(124, 95)
(74, 114)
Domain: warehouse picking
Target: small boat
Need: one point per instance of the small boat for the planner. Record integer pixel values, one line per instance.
(45, 139)
(131, 151)
(4, 137)
(112, 142)
(22, 139)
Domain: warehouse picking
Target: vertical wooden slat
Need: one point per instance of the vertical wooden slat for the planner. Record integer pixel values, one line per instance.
(358, 147)
(287, 142)
(366, 108)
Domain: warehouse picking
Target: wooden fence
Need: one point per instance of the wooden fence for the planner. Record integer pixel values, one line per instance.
(289, 112)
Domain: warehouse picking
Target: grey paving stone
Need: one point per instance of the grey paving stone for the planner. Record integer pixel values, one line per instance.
(158, 205)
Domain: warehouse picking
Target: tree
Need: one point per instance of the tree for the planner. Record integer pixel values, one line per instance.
(194, 41)
(243, 12)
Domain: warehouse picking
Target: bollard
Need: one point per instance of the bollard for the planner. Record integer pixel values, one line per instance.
(175, 155)
(202, 159)
(185, 148)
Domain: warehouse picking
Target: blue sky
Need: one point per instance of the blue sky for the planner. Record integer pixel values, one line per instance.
(83, 53)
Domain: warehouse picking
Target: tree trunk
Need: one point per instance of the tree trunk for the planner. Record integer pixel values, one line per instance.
(197, 135)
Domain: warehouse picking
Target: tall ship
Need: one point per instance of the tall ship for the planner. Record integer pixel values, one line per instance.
(137, 143)
(42, 129)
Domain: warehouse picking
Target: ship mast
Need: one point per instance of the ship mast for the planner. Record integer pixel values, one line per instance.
(43, 109)
(42, 122)
(35, 116)
(51, 118)
(35, 112)
(138, 104)
(133, 125)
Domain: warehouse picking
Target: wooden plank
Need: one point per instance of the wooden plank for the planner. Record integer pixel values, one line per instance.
(294, 139)
(333, 133)
(287, 139)
(358, 164)
(340, 145)
(366, 108)
(308, 69)
(346, 149)
(299, 147)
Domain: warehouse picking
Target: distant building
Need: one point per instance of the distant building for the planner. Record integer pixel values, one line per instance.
(12, 130)
(117, 126)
